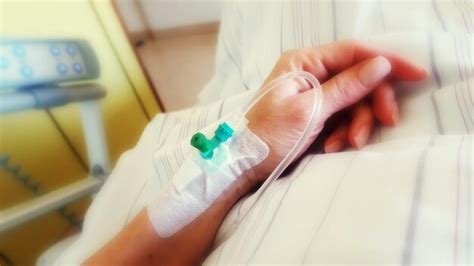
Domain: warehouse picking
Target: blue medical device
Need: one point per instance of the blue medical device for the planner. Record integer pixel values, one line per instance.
(47, 73)
(32, 73)
(26, 62)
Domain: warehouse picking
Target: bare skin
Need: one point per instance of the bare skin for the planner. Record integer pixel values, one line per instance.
(139, 244)
(355, 79)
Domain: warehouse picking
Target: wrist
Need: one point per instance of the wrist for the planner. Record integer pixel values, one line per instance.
(243, 185)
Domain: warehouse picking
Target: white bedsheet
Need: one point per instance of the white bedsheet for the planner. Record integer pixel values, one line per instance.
(404, 199)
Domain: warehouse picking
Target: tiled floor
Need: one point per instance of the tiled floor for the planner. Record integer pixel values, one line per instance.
(179, 67)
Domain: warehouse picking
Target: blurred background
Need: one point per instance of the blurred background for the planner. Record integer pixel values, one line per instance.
(62, 131)
(176, 42)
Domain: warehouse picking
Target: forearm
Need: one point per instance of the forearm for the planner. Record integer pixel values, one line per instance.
(139, 244)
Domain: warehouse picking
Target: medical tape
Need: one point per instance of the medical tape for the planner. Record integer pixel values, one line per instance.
(199, 182)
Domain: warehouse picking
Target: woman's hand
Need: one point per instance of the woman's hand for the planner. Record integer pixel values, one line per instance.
(348, 71)
(354, 78)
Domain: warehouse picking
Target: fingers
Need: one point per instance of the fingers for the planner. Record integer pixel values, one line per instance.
(361, 125)
(352, 85)
(346, 89)
(356, 133)
(384, 104)
(337, 140)
(341, 55)
(402, 67)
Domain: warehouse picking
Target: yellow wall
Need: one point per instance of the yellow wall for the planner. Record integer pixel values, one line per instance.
(31, 138)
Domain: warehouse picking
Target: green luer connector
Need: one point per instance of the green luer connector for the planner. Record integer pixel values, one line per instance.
(205, 146)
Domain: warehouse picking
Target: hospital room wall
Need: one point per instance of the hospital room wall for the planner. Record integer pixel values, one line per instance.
(166, 14)
(36, 140)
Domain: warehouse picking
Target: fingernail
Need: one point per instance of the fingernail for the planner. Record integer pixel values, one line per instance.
(334, 146)
(425, 70)
(361, 137)
(395, 113)
(374, 71)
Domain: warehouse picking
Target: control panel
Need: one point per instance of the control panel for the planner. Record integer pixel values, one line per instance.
(26, 63)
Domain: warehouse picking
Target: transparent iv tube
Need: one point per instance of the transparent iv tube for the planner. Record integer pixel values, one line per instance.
(303, 139)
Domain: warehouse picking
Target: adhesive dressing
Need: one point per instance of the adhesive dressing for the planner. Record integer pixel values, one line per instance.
(219, 161)
(199, 182)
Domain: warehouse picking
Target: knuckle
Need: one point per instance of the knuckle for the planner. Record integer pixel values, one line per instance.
(342, 89)
(346, 89)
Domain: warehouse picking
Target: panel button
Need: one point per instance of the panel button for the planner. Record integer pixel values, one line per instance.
(61, 68)
(77, 68)
(71, 50)
(19, 51)
(26, 71)
(54, 50)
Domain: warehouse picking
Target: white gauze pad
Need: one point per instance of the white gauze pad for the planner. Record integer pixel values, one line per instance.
(199, 182)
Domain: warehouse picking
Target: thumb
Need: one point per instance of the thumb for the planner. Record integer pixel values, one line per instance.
(351, 85)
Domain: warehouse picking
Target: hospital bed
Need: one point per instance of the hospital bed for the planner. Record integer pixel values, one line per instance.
(404, 199)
